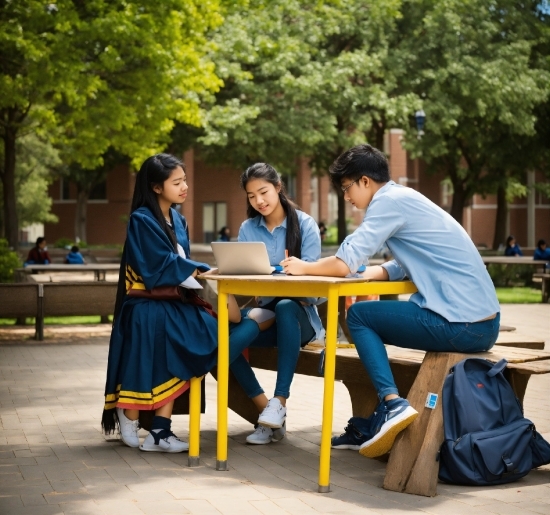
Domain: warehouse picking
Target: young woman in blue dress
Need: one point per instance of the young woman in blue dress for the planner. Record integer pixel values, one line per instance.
(275, 220)
(158, 344)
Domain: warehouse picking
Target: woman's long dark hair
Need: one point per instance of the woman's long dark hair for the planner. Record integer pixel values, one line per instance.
(268, 173)
(154, 171)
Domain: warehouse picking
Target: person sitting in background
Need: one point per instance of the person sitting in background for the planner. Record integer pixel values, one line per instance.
(38, 255)
(512, 248)
(74, 257)
(542, 253)
(224, 234)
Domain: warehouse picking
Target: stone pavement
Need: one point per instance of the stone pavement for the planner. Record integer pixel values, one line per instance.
(54, 459)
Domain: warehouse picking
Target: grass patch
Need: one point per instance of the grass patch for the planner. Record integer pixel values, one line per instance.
(58, 320)
(519, 295)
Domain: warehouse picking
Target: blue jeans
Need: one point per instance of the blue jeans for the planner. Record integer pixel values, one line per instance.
(290, 331)
(405, 324)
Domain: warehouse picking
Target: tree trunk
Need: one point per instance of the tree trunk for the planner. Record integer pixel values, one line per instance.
(502, 217)
(11, 224)
(342, 225)
(459, 201)
(80, 215)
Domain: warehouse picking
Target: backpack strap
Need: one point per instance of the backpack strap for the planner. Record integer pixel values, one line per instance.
(497, 368)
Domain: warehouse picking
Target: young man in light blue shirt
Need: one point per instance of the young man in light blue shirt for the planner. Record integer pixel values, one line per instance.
(455, 309)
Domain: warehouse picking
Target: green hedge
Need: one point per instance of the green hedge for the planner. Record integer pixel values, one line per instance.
(511, 275)
(9, 261)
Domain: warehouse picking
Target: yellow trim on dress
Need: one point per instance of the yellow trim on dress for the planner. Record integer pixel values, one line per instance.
(158, 394)
(133, 280)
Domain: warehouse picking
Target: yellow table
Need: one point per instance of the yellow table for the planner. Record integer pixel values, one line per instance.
(290, 286)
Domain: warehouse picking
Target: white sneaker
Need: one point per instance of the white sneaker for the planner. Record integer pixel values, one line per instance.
(273, 415)
(169, 444)
(264, 435)
(128, 429)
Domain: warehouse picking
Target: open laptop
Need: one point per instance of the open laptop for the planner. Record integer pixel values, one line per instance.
(242, 258)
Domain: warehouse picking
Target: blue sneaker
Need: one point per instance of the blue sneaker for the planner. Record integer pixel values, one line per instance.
(353, 437)
(387, 422)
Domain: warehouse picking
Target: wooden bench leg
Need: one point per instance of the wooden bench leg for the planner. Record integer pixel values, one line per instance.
(545, 289)
(518, 382)
(238, 401)
(364, 398)
(412, 467)
(39, 323)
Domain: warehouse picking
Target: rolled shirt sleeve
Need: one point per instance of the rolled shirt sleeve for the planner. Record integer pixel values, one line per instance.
(382, 220)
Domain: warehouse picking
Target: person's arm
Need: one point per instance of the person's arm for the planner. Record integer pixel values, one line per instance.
(154, 255)
(331, 267)
(382, 220)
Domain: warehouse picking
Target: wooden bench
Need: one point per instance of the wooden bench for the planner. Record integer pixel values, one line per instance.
(412, 465)
(545, 285)
(40, 300)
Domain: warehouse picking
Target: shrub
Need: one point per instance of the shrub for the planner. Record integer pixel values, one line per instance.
(63, 243)
(510, 275)
(9, 261)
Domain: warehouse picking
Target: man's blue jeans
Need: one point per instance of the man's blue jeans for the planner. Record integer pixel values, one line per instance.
(405, 324)
(290, 331)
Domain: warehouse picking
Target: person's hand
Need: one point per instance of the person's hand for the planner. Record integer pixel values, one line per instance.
(294, 266)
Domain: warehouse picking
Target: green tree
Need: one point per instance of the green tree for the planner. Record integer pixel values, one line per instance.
(35, 160)
(473, 64)
(304, 78)
(99, 75)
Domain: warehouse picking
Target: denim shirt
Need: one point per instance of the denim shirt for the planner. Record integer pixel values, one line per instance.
(255, 229)
(430, 248)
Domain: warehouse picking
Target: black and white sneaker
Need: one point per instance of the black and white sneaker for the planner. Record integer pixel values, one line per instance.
(161, 440)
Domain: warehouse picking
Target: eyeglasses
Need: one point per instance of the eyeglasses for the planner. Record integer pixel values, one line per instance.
(348, 186)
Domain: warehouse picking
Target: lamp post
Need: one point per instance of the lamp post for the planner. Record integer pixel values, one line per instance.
(420, 117)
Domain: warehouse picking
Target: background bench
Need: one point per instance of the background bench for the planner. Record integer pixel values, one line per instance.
(40, 300)
(545, 284)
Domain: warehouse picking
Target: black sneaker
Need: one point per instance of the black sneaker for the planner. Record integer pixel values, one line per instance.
(352, 438)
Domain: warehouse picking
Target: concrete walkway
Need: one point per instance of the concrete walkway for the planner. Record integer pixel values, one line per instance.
(54, 459)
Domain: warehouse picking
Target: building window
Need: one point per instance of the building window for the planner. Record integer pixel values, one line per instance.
(64, 189)
(214, 217)
(446, 193)
(99, 191)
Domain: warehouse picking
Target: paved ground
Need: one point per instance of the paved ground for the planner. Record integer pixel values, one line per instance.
(54, 460)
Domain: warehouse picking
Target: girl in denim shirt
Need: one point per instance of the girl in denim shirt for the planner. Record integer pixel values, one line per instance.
(285, 230)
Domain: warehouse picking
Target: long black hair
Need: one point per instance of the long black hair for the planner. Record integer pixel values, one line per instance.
(154, 171)
(268, 173)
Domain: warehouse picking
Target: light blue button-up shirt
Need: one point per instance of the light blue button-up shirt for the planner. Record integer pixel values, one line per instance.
(430, 248)
(255, 229)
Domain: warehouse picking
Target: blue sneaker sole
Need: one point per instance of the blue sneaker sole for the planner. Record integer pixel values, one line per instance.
(383, 441)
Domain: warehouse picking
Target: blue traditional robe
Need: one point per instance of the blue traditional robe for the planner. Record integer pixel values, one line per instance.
(157, 345)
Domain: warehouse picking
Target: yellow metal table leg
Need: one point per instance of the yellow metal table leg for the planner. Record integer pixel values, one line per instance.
(194, 421)
(223, 378)
(328, 397)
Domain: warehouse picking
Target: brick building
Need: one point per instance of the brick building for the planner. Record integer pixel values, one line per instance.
(216, 200)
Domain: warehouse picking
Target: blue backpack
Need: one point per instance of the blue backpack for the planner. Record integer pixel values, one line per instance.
(488, 441)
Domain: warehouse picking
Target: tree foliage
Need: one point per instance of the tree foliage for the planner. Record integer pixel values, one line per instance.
(304, 78)
(476, 65)
(100, 74)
